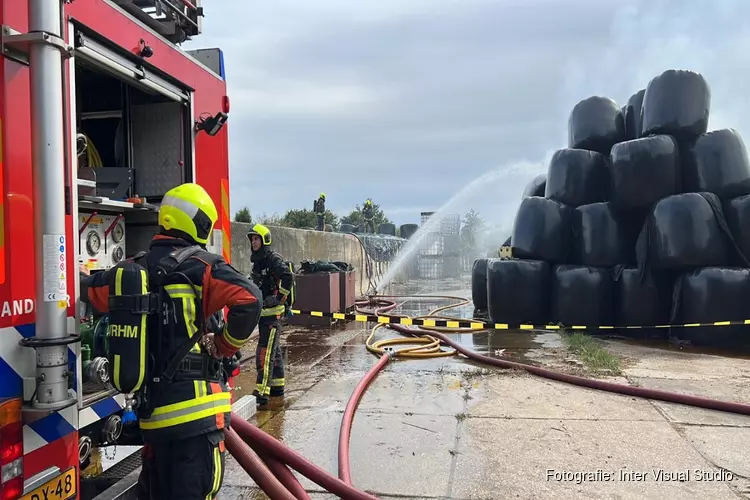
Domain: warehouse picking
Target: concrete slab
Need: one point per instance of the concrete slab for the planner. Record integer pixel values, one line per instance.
(661, 363)
(390, 454)
(725, 447)
(528, 396)
(725, 390)
(412, 437)
(518, 458)
(396, 393)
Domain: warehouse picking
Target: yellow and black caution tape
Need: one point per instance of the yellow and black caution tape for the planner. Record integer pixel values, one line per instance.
(477, 325)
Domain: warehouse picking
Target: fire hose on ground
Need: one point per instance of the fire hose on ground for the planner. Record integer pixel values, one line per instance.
(431, 335)
(268, 459)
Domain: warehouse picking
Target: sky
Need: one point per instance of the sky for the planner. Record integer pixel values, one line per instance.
(409, 101)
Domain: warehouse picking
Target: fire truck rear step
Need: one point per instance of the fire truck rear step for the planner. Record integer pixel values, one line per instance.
(117, 482)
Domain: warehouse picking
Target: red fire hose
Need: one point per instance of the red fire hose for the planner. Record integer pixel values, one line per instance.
(255, 467)
(348, 419)
(671, 397)
(277, 455)
(283, 474)
(262, 441)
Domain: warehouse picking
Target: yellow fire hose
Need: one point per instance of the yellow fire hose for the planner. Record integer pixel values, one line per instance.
(421, 347)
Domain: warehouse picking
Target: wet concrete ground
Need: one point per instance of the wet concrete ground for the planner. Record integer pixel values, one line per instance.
(450, 428)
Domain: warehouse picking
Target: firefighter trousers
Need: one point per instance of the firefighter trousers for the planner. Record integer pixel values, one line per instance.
(321, 222)
(184, 469)
(369, 226)
(269, 360)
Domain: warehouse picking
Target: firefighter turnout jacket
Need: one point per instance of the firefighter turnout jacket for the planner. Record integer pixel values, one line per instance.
(319, 206)
(367, 211)
(195, 401)
(274, 278)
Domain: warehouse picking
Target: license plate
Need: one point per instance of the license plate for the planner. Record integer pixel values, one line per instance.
(62, 487)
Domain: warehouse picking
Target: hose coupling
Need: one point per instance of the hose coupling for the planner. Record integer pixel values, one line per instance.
(112, 429)
(97, 371)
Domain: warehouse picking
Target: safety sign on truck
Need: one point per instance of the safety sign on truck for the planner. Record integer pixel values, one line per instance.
(55, 285)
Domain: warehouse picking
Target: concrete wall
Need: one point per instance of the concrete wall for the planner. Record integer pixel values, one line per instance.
(297, 245)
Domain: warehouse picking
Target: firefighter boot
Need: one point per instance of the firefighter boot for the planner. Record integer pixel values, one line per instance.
(260, 400)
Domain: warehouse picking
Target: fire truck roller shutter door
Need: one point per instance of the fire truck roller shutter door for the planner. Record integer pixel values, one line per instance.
(129, 306)
(126, 68)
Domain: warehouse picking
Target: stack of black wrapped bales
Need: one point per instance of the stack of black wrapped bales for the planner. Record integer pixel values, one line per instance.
(644, 220)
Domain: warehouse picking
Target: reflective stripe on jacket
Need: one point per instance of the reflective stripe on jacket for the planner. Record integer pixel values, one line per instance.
(185, 408)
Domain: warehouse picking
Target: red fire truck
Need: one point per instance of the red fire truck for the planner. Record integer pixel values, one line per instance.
(101, 112)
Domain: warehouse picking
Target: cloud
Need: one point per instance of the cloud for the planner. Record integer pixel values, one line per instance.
(407, 101)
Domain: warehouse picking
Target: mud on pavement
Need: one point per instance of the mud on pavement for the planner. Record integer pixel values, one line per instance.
(450, 428)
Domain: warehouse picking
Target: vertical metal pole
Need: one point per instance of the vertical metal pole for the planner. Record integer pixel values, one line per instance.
(48, 162)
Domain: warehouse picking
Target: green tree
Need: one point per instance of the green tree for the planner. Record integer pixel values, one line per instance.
(356, 218)
(271, 220)
(306, 219)
(473, 226)
(243, 215)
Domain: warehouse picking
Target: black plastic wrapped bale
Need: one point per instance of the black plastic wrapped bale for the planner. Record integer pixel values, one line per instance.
(737, 213)
(718, 163)
(479, 284)
(601, 238)
(406, 231)
(542, 230)
(596, 124)
(682, 231)
(639, 303)
(582, 296)
(536, 186)
(387, 228)
(643, 171)
(633, 116)
(577, 177)
(518, 291)
(346, 228)
(708, 295)
(676, 103)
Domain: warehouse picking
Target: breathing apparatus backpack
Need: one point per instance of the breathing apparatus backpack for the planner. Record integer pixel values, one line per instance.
(134, 299)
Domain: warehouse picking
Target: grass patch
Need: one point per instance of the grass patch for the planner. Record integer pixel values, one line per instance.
(592, 354)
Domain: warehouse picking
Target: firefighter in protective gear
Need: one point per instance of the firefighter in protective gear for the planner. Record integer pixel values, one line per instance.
(275, 280)
(368, 213)
(184, 420)
(319, 207)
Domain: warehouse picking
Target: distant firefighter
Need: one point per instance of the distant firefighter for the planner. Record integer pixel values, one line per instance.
(368, 213)
(319, 207)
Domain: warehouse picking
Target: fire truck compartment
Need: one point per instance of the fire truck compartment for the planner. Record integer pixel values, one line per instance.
(134, 142)
(136, 120)
(130, 143)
